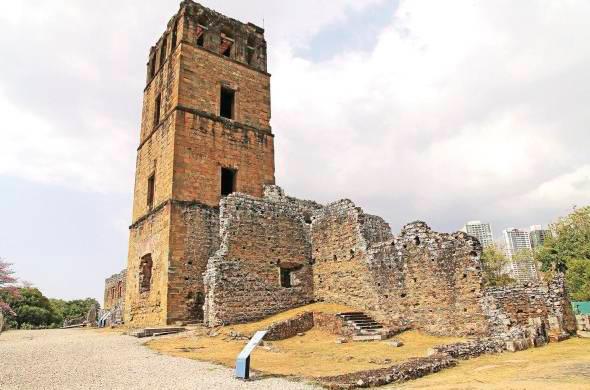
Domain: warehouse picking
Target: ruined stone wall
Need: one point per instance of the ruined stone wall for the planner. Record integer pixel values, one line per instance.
(194, 237)
(514, 307)
(430, 280)
(258, 238)
(149, 236)
(341, 272)
(424, 279)
(114, 292)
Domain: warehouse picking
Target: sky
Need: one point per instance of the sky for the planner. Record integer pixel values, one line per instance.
(416, 110)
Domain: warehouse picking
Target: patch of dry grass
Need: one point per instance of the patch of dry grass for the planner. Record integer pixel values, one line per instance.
(564, 365)
(314, 354)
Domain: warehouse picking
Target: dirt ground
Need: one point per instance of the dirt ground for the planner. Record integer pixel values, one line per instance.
(314, 354)
(564, 365)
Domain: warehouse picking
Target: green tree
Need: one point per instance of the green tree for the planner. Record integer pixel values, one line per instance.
(495, 263)
(577, 277)
(31, 307)
(568, 250)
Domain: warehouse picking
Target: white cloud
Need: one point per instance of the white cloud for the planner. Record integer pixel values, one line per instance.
(456, 105)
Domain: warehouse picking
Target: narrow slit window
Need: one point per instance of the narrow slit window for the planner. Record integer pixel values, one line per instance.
(153, 67)
(227, 100)
(228, 181)
(151, 187)
(157, 105)
(174, 35)
(286, 277)
(163, 51)
(200, 35)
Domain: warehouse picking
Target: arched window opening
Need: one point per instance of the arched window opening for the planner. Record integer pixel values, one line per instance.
(145, 273)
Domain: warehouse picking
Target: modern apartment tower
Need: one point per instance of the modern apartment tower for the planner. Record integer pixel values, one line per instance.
(538, 236)
(519, 251)
(481, 231)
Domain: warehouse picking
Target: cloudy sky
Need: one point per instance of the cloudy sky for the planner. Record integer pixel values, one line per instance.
(440, 111)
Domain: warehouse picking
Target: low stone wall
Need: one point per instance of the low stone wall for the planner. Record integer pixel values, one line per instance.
(401, 372)
(331, 323)
(290, 327)
(469, 349)
(583, 321)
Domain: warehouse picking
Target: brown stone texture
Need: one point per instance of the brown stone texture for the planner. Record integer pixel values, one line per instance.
(194, 238)
(114, 296)
(258, 238)
(184, 148)
(511, 309)
(429, 280)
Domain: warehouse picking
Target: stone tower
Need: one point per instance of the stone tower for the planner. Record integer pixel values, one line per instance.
(205, 133)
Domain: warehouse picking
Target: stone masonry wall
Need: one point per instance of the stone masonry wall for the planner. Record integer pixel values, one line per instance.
(341, 273)
(259, 237)
(511, 309)
(428, 280)
(114, 291)
(150, 236)
(194, 238)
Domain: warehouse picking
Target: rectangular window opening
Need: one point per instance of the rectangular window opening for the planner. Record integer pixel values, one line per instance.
(157, 105)
(228, 181)
(249, 55)
(153, 67)
(200, 36)
(226, 106)
(286, 277)
(151, 191)
(226, 46)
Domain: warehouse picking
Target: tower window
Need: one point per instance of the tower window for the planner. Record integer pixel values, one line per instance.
(145, 273)
(228, 181)
(227, 43)
(157, 110)
(151, 191)
(285, 277)
(200, 35)
(163, 51)
(226, 106)
(174, 35)
(152, 66)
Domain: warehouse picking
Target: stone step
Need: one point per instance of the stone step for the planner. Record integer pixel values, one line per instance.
(367, 337)
(148, 332)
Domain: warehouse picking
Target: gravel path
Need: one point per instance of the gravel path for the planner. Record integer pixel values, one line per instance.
(88, 359)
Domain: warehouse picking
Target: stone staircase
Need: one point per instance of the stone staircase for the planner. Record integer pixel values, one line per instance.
(364, 327)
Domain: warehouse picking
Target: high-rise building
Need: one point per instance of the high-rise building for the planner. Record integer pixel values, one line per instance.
(538, 235)
(481, 231)
(519, 251)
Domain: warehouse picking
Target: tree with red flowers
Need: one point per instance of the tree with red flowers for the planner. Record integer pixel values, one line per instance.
(7, 285)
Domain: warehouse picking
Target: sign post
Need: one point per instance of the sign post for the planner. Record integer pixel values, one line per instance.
(243, 360)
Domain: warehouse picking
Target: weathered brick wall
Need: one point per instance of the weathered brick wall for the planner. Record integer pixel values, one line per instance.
(429, 280)
(194, 237)
(341, 273)
(148, 236)
(258, 237)
(114, 290)
(204, 146)
(512, 308)
(433, 280)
